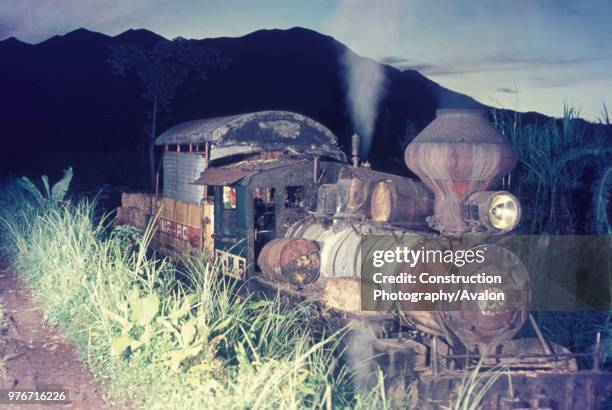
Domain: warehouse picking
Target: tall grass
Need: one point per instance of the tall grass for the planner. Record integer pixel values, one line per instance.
(474, 386)
(554, 178)
(159, 342)
(564, 182)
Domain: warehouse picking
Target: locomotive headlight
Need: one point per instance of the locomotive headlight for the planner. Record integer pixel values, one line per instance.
(493, 211)
(504, 210)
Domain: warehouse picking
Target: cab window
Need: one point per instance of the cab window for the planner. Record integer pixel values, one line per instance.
(228, 210)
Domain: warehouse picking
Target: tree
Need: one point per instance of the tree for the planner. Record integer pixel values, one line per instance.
(162, 70)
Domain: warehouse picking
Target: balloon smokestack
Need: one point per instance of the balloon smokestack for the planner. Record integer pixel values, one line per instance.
(457, 154)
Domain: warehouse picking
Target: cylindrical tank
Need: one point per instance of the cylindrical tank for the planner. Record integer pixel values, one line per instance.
(341, 246)
(290, 260)
(401, 202)
(360, 183)
(326, 199)
(332, 198)
(340, 243)
(458, 153)
(307, 228)
(341, 250)
(359, 193)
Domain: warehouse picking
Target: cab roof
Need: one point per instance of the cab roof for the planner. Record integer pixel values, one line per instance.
(256, 132)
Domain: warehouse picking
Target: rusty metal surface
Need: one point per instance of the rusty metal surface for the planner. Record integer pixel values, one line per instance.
(360, 184)
(136, 209)
(460, 125)
(401, 202)
(490, 322)
(457, 154)
(291, 260)
(256, 132)
(179, 225)
(231, 174)
(221, 176)
(307, 228)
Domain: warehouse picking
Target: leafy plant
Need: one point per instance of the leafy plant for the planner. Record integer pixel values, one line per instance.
(602, 203)
(56, 193)
(554, 154)
(142, 311)
(166, 335)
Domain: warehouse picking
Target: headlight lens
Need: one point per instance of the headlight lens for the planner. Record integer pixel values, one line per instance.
(504, 211)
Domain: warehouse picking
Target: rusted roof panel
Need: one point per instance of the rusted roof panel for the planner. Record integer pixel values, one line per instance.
(256, 132)
(221, 176)
(231, 174)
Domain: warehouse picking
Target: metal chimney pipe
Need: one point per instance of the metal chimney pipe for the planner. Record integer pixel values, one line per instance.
(355, 143)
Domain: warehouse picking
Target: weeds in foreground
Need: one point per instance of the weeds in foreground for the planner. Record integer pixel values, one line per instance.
(474, 386)
(161, 343)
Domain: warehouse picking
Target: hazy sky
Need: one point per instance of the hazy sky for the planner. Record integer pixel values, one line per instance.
(526, 55)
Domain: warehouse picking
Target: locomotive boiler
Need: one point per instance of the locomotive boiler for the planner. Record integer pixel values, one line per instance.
(272, 199)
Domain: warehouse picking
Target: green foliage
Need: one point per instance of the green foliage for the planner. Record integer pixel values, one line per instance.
(56, 193)
(603, 203)
(162, 71)
(158, 342)
(554, 155)
(59, 190)
(474, 386)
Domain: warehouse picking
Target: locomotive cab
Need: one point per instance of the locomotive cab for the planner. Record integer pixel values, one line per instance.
(257, 200)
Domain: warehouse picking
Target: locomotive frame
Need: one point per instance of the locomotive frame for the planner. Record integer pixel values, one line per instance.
(253, 176)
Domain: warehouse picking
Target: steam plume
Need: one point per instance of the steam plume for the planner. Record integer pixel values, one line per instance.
(371, 27)
(365, 82)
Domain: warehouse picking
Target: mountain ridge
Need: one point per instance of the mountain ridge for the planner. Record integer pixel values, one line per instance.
(62, 96)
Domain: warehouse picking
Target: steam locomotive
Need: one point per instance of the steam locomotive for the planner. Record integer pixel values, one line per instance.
(274, 201)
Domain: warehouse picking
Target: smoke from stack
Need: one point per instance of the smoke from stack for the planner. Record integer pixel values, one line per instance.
(370, 26)
(365, 87)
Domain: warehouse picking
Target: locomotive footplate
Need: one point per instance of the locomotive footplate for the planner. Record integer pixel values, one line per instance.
(313, 293)
(522, 390)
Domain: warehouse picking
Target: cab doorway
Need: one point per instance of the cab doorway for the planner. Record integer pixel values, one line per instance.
(264, 217)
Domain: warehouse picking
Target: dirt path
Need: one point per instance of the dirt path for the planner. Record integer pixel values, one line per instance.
(35, 356)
